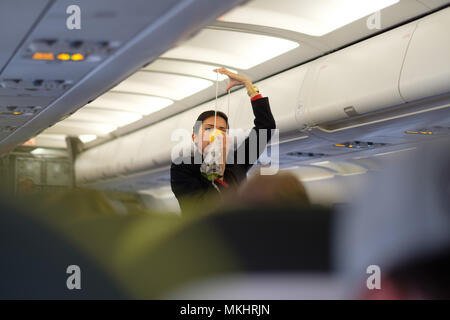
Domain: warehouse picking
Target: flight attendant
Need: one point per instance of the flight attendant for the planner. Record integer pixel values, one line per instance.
(188, 183)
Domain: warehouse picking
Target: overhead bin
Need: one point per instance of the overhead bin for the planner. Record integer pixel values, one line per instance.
(400, 66)
(426, 71)
(356, 80)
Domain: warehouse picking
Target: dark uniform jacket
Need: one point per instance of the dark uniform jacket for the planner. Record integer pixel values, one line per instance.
(188, 183)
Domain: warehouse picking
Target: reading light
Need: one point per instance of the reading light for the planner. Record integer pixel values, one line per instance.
(77, 57)
(63, 56)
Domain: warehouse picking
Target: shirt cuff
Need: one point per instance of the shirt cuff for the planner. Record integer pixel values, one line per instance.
(258, 96)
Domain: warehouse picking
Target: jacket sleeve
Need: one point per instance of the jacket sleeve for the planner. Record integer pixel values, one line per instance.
(255, 143)
(185, 186)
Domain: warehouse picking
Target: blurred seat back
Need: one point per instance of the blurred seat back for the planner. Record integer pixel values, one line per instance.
(34, 261)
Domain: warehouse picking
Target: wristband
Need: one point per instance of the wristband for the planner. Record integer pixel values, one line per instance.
(252, 90)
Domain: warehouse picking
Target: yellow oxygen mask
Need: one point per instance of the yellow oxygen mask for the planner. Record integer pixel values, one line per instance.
(214, 134)
(210, 167)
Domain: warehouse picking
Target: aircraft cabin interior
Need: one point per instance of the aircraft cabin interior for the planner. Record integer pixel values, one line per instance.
(95, 96)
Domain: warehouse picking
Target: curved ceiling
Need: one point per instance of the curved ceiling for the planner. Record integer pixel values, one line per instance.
(314, 18)
(258, 39)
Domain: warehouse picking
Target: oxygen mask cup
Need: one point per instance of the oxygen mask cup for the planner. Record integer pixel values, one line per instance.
(213, 157)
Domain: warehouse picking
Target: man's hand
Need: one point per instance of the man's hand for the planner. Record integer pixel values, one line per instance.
(235, 79)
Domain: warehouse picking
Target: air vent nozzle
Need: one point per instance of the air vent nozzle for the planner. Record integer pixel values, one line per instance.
(19, 111)
(360, 145)
(306, 155)
(41, 85)
(7, 129)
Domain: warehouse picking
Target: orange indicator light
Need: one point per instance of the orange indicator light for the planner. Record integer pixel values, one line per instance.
(43, 56)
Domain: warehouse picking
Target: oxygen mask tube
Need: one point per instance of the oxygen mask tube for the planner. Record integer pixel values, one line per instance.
(210, 167)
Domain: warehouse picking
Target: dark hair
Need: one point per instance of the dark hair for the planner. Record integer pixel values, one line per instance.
(206, 115)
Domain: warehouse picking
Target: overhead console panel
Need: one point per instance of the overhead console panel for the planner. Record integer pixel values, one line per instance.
(35, 87)
(17, 18)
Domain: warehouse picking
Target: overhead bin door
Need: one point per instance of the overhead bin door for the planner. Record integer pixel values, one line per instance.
(359, 79)
(426, 71)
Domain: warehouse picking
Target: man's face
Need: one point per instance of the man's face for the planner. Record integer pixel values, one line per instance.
(202, 138)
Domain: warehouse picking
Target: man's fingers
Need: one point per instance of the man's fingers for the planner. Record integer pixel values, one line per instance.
(233, 83)
(235, 79)
(221, 70)
(224, 71)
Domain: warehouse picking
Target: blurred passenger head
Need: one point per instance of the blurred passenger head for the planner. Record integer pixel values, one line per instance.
(399, 229)
(204, 127)
(282, 188)
(78, 203)
(26, 186)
